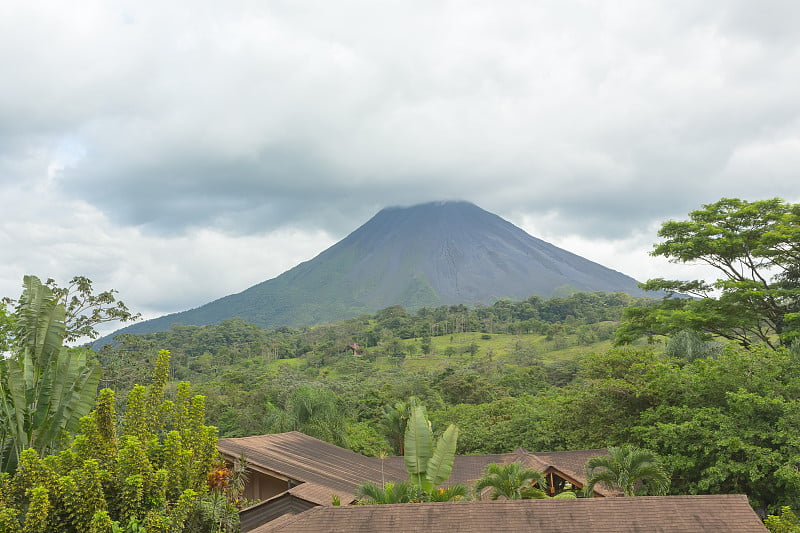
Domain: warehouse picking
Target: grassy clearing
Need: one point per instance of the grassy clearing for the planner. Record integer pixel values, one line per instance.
(465, 348)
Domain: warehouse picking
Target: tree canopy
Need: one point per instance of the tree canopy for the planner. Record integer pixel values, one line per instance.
(83, 309)
(755, 247)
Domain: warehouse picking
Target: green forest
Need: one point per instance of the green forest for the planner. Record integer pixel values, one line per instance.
(707, 378)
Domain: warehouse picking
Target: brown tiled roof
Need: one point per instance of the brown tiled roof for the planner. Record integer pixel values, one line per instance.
(650, 514)
(467, 469)
(320, 494)
(282, 504)
(299, 457)
(571, 463)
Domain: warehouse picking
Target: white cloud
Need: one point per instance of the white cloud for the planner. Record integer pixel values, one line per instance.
(186, 150)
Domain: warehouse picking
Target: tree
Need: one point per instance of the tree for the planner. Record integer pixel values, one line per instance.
(786, 522)
(689, 345)
(147, 471)
(394, 422)
(6, 328)
(755, 247)
(316, 411)
(634, 470)
(508, 480)
(84, 309)
(45, 387)
(399, 492)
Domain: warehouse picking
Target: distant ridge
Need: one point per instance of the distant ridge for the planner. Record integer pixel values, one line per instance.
(426, 255)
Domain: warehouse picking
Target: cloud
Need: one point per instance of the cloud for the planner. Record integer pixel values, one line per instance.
(132, 134)
(44, 235)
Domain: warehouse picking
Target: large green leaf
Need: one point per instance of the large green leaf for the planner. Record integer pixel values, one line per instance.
(440, 465)
(12, 403)
(40, 324)
(74, 390)
(418, 443)
(45, 388)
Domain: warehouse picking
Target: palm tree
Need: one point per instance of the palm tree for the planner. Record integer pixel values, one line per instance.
(394, 421)
(407, 492)
(508, 480)
(400, 492)
(634, 470)
(313, 410)
(448, 494)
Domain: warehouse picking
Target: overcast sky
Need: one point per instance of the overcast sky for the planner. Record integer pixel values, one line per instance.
(180, 151)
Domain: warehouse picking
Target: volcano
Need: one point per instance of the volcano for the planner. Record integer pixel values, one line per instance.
(427, 255)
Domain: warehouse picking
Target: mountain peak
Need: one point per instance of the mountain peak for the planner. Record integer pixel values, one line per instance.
(435, 205)
(436, 253)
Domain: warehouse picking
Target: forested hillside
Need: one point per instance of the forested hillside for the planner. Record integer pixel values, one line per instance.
(540, 374)
(452, 353)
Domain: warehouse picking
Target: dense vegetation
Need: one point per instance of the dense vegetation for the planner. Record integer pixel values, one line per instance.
(149, 469)
(154, 469)
(710, 384)
(723, 417)
(755, 249)
(444, 356)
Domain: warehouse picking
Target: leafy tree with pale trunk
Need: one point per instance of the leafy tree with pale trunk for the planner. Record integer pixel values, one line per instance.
(755, 247)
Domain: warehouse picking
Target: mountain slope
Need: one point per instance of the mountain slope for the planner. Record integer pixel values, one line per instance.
(426, 255)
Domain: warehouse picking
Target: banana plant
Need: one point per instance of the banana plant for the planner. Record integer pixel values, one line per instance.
(429, 463)
(45, 387)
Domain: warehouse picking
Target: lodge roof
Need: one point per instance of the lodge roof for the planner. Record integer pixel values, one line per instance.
(707, 513)
(300, 458)
(467, 469)
(330, 469)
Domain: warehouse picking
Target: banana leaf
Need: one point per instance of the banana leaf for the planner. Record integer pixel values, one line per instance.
(440, 465)
(418, 444)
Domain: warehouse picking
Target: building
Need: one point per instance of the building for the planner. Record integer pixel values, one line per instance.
(292, 473)
(651, 514)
